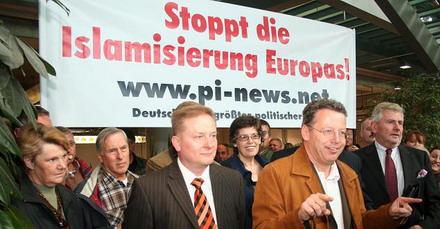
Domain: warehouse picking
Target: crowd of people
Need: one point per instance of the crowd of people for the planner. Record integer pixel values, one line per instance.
(327, 181)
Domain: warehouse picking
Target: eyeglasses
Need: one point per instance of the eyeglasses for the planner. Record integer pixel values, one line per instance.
(330, 132)
(245, 137)
(263, 133)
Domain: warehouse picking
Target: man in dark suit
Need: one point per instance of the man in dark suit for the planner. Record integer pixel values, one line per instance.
(167, 198)
(406, 165)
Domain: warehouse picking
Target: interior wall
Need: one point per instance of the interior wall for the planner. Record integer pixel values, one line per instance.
(87, 152)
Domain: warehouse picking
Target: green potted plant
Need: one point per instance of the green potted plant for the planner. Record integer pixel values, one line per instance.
(13, 103)
(420, 97)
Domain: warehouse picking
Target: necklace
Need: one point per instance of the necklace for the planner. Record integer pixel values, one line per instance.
(57, 212)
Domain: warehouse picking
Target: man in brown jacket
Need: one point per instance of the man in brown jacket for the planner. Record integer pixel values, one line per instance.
(312, 189)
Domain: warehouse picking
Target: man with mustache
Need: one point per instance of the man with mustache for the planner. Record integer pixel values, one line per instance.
(390, 169)
(367, 135)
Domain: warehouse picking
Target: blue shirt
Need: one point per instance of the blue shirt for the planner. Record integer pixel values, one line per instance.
(235, 163)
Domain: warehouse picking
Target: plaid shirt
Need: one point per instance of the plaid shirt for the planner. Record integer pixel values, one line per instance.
(113, 195)
(84, 168)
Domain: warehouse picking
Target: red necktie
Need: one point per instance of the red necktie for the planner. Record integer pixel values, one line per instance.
(390, 176)
(205, 218)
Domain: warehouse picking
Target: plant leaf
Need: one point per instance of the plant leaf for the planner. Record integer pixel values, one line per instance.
(7, 141)
(4, 109)
(15, 98)
(8, 185)
(50, 69)
(32, 57)
(58, 2)
(12, 218)
(9, 94)
(10, 53)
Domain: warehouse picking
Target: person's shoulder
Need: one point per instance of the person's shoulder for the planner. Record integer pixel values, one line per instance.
(230, 162)
(347, 155)
(225, 171)
(155, 176)
(283, 153)
(413, 152)
(411, 149)
(347, 169)
(362, 151)
(67, 194)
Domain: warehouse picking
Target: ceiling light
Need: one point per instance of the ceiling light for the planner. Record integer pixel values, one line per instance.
(405, 66)
(426, 19)
(91, 139)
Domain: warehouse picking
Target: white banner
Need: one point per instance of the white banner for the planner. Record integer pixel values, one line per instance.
(130, 63)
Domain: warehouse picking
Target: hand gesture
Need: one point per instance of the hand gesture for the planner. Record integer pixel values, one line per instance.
(400, 207)
(314, 206)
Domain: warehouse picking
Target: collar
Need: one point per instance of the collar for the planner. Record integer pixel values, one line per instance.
(188, 176)
(238, 165)
(381, 150)
(334, 173)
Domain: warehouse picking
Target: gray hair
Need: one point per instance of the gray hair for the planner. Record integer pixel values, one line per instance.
(276, 139)
(104, 134)
(363, 123)
(312, 108)
(376, 116)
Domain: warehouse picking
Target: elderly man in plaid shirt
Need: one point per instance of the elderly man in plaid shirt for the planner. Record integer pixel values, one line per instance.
(105, 193)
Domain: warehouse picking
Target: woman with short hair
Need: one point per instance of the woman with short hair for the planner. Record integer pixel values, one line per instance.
(245, 136)
(46, 202)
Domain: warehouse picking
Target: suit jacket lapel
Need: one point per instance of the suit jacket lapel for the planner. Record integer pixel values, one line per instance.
(409, 174)
(302, 166)
(349, 189)
(180, 192)
(373, 162)
(218, 194)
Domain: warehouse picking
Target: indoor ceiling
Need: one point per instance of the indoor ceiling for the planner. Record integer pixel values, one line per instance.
(411, 36)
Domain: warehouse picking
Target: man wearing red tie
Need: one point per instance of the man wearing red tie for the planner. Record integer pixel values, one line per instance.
(191, 192)
(390, 170)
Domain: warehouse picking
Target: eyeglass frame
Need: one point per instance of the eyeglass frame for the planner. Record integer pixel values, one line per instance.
(330, 132)
(237, 138)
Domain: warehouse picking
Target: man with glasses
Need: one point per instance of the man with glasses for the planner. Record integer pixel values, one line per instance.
(312, 189)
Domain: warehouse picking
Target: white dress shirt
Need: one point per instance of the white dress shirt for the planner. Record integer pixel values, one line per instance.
(395, 155)
(188, 176)
(331, 188)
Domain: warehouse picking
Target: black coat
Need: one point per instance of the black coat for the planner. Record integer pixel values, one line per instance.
(427, 213)
(95, 217)
(40, 215)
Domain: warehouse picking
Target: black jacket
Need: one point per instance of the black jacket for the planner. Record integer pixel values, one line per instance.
(413, 161)
(40, 215)
(95, 217)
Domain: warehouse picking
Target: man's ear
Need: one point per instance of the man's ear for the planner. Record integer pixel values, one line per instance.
(305, 133)
(176, 143)
(374, 127)
(28, 163)
(99, 155)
